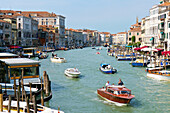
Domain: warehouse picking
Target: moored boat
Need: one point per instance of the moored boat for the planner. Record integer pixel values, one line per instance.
(125, 58)
(72, 72)
(116, 94)
(58, 60)
(106, 68)
(158, 73)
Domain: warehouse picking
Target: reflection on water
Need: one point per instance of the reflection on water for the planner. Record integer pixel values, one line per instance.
(79, 95)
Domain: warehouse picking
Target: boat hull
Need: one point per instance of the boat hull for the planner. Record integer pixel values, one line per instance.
(75, 75)
(125, 59)
(58, 60)
(139, 64)
(158, 77)
(108, 71)
(113, 99)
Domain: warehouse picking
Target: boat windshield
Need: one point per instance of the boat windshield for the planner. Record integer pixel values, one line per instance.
(125, 92)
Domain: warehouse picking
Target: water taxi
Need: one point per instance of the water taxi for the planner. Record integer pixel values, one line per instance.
(116, 94)
(23, 108)
(106, 68)
(8, 55)
(72, 72)
(58, 59)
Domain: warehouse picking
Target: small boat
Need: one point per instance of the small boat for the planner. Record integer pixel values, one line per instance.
(116, 94)
(140, 62)
(72, 72)
(93, 48)
(158, 73)
(97, 52)
(23, 108)
(106, 68)
(58, 59)
(43, 56)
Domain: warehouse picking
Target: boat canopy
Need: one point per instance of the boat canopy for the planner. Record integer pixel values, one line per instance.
(138, 49)
(104, 64)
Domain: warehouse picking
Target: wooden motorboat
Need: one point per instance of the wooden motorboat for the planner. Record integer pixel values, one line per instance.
(23, 108)
(72, 72)
(58, 59)
(116, 94)
(106, 68)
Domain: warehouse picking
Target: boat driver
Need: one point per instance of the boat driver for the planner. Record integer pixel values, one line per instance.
(120, 82)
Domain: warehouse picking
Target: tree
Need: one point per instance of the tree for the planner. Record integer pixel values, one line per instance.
(133, 39)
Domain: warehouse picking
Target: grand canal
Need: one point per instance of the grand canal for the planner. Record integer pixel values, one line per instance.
(80, 95)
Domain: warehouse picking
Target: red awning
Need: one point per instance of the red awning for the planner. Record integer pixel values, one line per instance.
(165, 53)
(137, 49)
(158, 49)
(15, 47)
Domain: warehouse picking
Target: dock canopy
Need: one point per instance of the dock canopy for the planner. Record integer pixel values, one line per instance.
(138, 49)
(19, 61)
(151, 49)
(166, 53)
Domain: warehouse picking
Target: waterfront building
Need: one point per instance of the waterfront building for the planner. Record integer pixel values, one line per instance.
(50, 19)
(164, 24)
(105, 37)
(113, 36)
(135, 32)
(13, 22)
(27, 27)
(5, 33)
(121, 38)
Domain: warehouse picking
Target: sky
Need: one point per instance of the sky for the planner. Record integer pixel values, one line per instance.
(103, 15)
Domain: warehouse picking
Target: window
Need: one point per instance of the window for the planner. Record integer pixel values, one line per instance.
(137, 33)
(130, 39)
(54, 21)
(169, 25)
(19, 25)
(129, 33)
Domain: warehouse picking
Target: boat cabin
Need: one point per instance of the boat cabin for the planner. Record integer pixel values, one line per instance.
(22, 67)
(119, 90)
(29, 52)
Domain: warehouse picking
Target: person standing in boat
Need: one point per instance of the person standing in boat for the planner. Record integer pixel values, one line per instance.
(107, 84)
(52, 54)
(120, 82)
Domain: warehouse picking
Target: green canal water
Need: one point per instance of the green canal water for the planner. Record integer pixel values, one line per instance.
(80, 95)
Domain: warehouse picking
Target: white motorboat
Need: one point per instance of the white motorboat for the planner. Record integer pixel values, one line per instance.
(72, 72)
(58, 60)
(23, 108)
